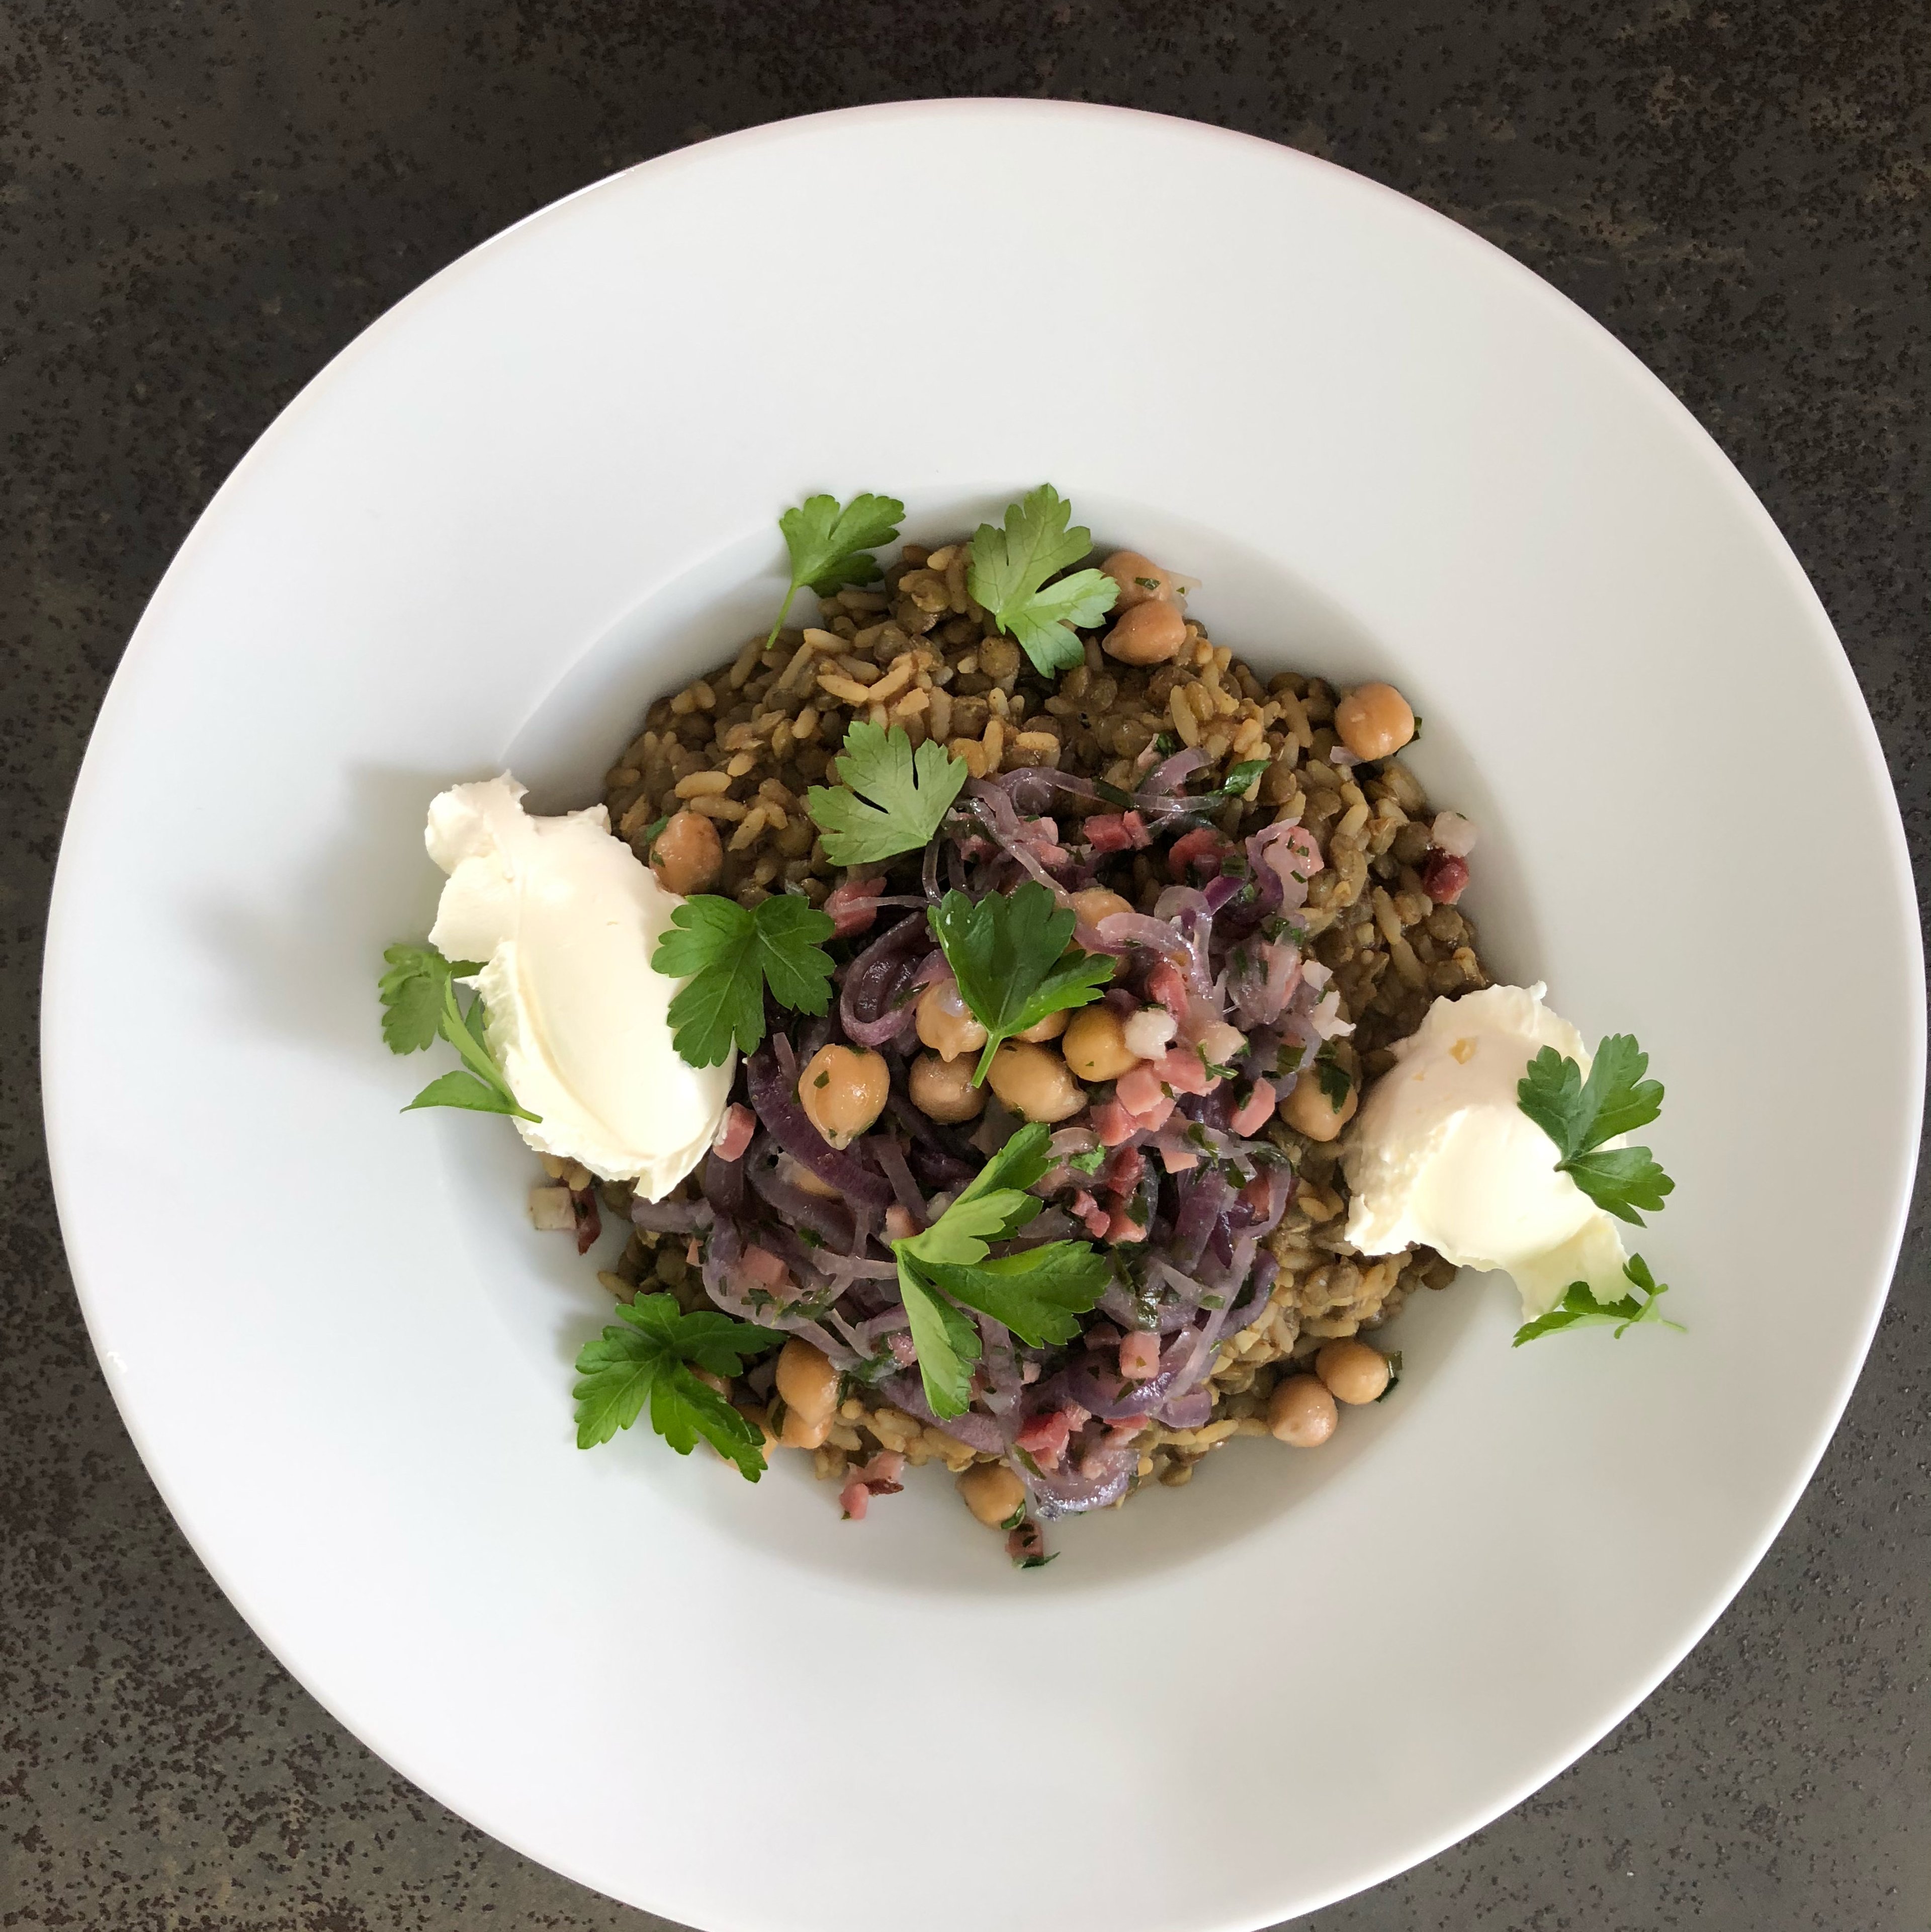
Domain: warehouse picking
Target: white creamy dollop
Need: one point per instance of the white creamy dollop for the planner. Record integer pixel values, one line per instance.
(565, 918)
(1442, 1154)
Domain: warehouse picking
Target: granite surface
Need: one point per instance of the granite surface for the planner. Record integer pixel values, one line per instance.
(201, 203)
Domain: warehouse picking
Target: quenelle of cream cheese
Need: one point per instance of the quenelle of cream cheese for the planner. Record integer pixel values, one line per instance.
(565, 917)
(1442, 1154)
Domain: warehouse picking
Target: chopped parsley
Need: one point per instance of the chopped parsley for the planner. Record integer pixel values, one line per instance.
(1013, 961)
(830, 544)
(729, 953)
(889, 798)
(651, 1359)
(1336, 1082)
(1234, 785)
(1579, 1115)
(1009, 574)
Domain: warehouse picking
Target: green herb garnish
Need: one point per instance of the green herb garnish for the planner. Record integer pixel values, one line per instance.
(1091, 1161)
(889, 798)
(1233, 785)
(1336, 1082)
(1039, 1293)
(1580, 1115)
(829, 545)
(419, 1005)
(1579, 1309)
(729, 953)
(1012, 958)
(1009, 571)
(651, 1359)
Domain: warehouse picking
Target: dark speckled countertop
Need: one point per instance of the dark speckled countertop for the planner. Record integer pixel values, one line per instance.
(201, 203)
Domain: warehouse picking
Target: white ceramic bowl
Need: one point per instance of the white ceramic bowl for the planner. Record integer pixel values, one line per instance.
(542, 490)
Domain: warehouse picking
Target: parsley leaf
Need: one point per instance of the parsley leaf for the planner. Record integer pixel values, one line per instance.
(1009, 571)
(1039, 1293)
(1013, 962)
(419, 1004)
(412, 994)
(651, 1359)
(946, 1341)
(994, 1203)
(1579, 1309)
(1579, 1115)
(1091, 1161)
(829, 544)
(889, 800)
(729, 953)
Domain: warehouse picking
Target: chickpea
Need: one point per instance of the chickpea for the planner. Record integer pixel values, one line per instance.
(842, 1089)
(1149, 634)
(1096, 903)
(945, 1022)
(1050, 1027)
(942, 1089)
(1096, 1045)
(1034, 1082)
(809, 1385)
(1353, 1371)
(1301, 1413)
(1374, 721)
(993, 1493)
(687, 856)
(1308, 1111)
(1141, 580)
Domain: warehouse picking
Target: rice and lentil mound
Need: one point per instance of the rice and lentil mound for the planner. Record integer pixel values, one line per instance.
(713, 788)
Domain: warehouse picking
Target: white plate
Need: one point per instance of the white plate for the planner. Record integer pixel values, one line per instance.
(543, 489)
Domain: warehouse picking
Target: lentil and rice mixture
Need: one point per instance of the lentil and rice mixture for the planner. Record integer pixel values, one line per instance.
(1098, 783)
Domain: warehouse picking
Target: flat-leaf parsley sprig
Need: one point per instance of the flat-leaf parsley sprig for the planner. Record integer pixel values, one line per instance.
(1008, 570)
(1039, 1293)
(1013, 958)
(652, 1359)
(889, 800)
(1579, 1115)
(1579, 1309)
(729, 953)
(419, 1005)
(830, 544)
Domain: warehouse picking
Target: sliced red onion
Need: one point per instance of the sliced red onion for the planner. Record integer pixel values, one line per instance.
(670, 1217)
(776, 1101)
(1069, 1490)
(974, 1429)
(874, 992)
(891, 1157)
(831, 1221)
(1218, 890)
(1289, 853)
(1204, 1196)
(722, 1254)
(1190, 1411)
(996, 810)
(1168, 777)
